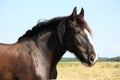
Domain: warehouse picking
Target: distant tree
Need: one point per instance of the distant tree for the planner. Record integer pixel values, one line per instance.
(116, 58)
(100, 59)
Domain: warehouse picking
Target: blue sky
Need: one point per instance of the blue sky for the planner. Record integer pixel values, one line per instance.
(103, 16)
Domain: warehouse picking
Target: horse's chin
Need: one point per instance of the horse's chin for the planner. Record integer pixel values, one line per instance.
(87, 64)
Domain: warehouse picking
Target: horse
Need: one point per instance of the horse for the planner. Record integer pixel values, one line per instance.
(36, 53)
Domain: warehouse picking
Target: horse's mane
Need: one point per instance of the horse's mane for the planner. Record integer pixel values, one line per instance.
(48, 24)
(40, 26)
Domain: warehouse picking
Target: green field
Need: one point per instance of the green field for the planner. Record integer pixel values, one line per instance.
(77, 71)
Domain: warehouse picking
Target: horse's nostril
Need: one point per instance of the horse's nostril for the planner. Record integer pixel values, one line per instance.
(91, 58)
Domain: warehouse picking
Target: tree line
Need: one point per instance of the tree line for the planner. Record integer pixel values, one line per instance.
(114, 59)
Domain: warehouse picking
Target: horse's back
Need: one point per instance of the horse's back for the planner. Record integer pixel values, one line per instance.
(8, 56)
(16, 63)
(9, 50)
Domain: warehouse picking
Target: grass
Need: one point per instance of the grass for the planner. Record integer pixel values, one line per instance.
(77, 71)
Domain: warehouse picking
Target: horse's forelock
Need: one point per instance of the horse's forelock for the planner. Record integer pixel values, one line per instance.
(86, 26)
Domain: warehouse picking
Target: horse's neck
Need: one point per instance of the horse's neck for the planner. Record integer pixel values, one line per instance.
(50, 45)
(46, 51)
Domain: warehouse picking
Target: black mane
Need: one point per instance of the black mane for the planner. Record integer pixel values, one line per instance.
(41, 26)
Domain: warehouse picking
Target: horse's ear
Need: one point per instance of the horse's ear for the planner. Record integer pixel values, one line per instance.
(81, 13)
(74, 13)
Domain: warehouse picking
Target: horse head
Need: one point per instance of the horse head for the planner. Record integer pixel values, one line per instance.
(78, 38)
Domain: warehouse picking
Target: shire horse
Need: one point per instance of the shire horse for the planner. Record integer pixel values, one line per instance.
(35, 55)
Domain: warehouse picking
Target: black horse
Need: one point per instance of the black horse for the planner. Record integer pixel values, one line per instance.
(35, 55)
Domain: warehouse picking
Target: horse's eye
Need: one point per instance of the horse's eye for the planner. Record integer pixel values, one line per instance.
(77, 20)
(78, 32)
